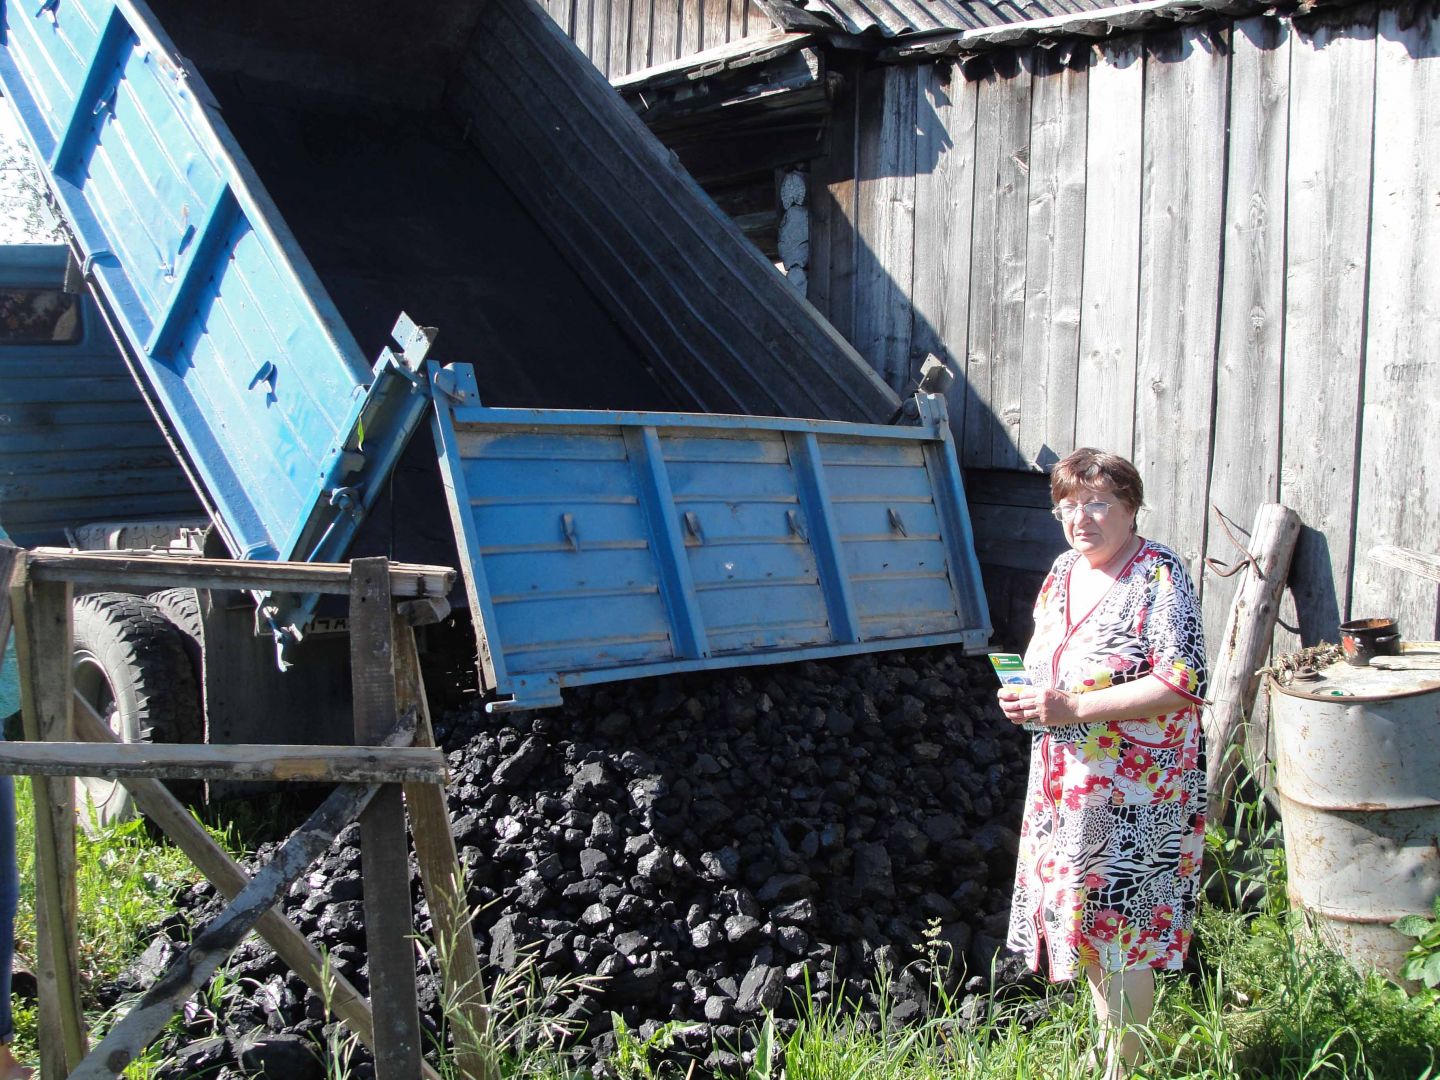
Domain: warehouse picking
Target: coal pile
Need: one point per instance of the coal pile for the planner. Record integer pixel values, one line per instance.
(708, 846)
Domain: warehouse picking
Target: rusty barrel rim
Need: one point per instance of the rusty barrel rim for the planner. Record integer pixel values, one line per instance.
(1429, 686)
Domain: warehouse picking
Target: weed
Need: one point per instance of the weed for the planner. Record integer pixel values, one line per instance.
(1422, 962)
(632, 1053)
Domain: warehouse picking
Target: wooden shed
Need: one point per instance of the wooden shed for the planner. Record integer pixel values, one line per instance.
(1205, 234)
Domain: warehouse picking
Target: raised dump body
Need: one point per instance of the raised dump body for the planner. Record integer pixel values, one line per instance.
(257, 192)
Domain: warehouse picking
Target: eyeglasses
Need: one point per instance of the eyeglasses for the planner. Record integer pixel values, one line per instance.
(1096, 508)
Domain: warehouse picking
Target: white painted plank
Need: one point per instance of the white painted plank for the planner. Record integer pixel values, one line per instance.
(1055, 251)
(1332, 71)
(1186, 80)
(885, 254)
(1245, 466)
(1399, 496)
(944, 201)
(997, 263)
(1105, 388)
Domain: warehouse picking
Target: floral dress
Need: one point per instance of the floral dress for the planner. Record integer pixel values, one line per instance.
(1114, 825)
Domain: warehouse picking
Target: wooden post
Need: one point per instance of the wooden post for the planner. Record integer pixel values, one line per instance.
(444, 889)
(41, 611)
(1241, 653)
(384, 851)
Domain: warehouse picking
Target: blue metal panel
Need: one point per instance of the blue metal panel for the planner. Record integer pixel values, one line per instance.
(77, 444)
(289, 429)
(601, 545)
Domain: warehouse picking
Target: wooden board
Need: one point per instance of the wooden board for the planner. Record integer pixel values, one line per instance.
(1332, 71)
(740, 20)
(600, 16)
(468, 1016)
(140, 571)
(621, 27)
(1425, 565)
(885, 220)
(665, 31)
(944, 203)
(1105, 386)
(309, 764)
(1054, 254)
(997, 264)
(716, 23)
(582, 21)
(1186, 78)
(1399, 490)
(1245, 463)
(641, 29)
(563, 12)
(831, 287)
(692, 26)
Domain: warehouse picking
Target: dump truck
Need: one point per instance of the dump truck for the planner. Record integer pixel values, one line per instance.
(412, 280)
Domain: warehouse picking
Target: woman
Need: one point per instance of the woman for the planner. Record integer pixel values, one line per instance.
(1114, 825)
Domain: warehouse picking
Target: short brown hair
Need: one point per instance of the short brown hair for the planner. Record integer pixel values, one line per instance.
(1086, 467)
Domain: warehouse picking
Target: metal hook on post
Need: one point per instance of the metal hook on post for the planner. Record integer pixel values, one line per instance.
(1219, 569)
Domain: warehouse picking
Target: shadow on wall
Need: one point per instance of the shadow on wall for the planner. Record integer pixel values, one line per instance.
(1312, 588)
(933, 236)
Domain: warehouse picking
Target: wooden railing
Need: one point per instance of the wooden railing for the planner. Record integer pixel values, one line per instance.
(394, 751)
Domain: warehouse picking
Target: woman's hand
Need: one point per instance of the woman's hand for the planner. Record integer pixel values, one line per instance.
(1034, 705)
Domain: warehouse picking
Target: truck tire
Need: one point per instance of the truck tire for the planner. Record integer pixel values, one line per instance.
(130, 665)
(182, 608)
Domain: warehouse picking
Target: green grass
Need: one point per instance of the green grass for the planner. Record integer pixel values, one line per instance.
(125, 883)
(1270, 1001)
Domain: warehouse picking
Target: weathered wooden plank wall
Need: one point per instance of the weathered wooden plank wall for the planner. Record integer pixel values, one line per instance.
(1399, 490)
(1245, 458)
(1213, 249)
(997, 261)
(621, 36)
(1055, 245)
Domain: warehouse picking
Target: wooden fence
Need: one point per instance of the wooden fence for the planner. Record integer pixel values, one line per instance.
(621, 36)
(1213, 249)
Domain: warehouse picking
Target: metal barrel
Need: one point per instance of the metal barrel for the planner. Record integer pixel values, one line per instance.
(1357, 757)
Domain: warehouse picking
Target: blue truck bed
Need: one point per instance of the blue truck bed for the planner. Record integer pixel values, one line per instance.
(255, 201)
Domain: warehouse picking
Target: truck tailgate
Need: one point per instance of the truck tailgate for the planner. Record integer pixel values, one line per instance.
(599, 546)
(249, 362)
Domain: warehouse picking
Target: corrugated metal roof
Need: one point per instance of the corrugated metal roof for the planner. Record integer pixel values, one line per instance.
(892, 18)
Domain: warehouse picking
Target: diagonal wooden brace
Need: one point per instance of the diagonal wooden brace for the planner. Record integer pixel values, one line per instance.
(210, 948)
(289, 943)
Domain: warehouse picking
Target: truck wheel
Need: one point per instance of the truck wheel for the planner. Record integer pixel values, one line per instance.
(182, 608)
(130, 665)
